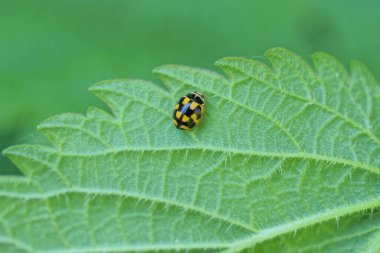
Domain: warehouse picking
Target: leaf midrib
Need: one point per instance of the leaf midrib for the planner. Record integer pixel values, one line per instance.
(132, 248)
(212, 149)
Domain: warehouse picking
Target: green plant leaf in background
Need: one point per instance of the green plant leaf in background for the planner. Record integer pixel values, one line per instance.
(285, 159)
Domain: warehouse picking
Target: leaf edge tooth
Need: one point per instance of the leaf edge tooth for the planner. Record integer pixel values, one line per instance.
(356, 65)
(17, 155)
(226, 64)
(45, 148)
(53, 120)
(160, 70)
(99, 86)
(281, 52)
(317, 56)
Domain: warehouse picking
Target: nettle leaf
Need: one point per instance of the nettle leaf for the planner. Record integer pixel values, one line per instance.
(285, 159)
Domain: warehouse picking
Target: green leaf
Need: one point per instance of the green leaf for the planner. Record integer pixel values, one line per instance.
(280, 149)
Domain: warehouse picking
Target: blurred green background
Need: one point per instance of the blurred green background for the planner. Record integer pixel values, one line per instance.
(52, 51)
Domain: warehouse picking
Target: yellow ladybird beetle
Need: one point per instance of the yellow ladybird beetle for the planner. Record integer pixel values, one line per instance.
(189, 111)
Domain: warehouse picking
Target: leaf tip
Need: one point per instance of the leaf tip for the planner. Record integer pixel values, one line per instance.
(323, 57)
(165, 69)
(356, 65)
(23, 150)
(274, 49)
(8, 151)
(99, 86)
(63, 119)
(225, 61)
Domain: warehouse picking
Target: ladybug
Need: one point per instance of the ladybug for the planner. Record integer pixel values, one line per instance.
(189, 111)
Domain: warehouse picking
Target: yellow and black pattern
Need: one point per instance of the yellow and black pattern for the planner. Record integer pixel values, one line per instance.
(188, 111)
